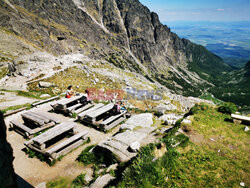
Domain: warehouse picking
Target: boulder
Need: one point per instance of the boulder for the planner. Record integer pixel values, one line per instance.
(135, 146)
(142, 120)
(102, 181)
(45, 96)
(170, 119)
(165, 107)
(186, 122)
(96, 80)
(45, 84)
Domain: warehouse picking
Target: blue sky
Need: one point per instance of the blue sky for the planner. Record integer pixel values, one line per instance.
(200, 10)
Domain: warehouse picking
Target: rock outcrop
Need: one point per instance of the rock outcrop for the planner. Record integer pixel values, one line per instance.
(7, 174)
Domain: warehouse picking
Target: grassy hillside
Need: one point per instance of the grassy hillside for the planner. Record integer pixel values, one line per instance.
(216, 156)
(234, 87)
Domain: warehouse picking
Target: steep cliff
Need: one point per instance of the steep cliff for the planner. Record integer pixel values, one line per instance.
(123, 32)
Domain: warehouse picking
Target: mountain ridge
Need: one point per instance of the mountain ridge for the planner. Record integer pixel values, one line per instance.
(123, 32)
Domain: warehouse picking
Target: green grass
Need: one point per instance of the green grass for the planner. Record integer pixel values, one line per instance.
(210, 97)
(87, 157)
(59, 183)
(3, 71)
(79, 181)
(29, 94)
(16, 107)
(219, 163)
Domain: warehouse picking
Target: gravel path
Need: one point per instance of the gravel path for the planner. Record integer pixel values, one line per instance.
(34, 171)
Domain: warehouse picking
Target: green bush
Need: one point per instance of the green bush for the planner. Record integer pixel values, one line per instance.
(80, 180)
(228, 108)
(198, 107)
(87, 157)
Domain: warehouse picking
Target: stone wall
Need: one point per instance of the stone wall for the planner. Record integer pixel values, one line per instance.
(7, 174)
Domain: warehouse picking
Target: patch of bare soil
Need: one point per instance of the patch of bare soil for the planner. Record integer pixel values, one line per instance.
(193, 135)
(34, 171)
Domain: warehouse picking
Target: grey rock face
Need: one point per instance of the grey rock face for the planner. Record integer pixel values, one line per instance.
(7, 174)
(141, 120)
(170, 119)
(165, 107)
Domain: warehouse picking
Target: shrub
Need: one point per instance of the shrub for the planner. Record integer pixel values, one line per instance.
(228, 108)
(80, 180)
(87, 157)
(198, 107)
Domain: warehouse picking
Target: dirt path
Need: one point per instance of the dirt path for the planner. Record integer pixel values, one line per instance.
(34, 171)
(8, 99)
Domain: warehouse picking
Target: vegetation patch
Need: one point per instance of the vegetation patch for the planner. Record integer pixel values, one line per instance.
(218, 162)
(61, 182)
(12, 108)
(210, 97)
(79, 181)
(228, 108)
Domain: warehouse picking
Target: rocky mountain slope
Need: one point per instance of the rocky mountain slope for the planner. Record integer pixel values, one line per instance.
(123, 32)
(234, 87)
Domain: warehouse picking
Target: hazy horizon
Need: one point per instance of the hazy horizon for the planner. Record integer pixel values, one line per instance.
(196, 10)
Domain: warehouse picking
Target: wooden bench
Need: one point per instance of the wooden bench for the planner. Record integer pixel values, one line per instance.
(72, 109)
(40, 141)
(239, 118)
(83, 114)
(50, 117)
(62, 149)
(66, 105)
(34, 122)
(26, 131)
(113, 121)
(91, 116)
(30, 118)
(86, 107)
(44, 118)
(20, 128)
(59, 145)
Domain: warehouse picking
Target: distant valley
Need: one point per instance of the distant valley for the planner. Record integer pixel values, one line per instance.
(229, 40)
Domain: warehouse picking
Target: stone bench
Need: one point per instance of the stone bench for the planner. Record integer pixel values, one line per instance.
(239, 118)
